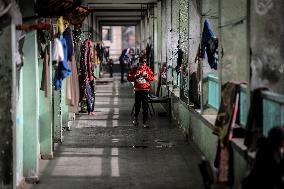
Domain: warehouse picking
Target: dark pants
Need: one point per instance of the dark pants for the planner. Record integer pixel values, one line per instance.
(122, 70)
(90, 96)
(110, 71)
(141, 97)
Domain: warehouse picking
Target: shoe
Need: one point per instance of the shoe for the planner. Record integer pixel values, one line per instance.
(135, 122)
(145, 125)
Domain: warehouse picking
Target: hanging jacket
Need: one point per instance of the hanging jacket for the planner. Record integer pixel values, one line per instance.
(141, 81)
(209, 44)
(67, 34)
(63, 69)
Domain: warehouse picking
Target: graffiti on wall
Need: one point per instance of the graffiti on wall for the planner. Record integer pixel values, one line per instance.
(263, 6)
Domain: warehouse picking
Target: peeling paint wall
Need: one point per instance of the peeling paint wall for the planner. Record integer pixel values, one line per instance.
(165, 23)
(267, 44)
(174, 38)
(6, 108)
(194, 28)
(159, 32)
(183, 43)
(234, 40)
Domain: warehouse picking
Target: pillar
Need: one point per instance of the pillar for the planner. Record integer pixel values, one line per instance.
(57, 118)
(31, 108)
(45, 115)
(7, 108)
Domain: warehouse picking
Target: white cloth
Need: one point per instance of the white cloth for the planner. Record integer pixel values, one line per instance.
(57, 53)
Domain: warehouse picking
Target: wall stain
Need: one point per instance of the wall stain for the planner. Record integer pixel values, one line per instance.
(263, 6)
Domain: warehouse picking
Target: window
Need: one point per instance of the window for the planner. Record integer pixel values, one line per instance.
(106, 33)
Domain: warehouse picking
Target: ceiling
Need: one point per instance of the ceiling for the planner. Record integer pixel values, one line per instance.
(119, 12)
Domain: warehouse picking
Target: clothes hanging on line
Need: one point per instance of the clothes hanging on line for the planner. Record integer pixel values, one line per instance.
(67, 34)
(209, 45)
(86, 76)
(90, 95)
(62, 71)
(96, 58)
(224, 123)
(45, 73)
(73, 91)
(193, 93)
(57, 53)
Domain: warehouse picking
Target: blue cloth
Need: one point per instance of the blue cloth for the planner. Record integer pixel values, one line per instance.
(63, 69)
(90, 96)
(68, 37)
(209, 44)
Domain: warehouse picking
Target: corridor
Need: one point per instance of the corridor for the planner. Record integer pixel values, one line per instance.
(106, 151)
(215, 66)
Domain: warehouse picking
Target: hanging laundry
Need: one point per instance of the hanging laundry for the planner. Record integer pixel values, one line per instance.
(229, 91)
(224, 123)
(60, 25)
(96, 58)
(73, 92)
(179, 53)
(63, 69)
(209, 45)
(68, 37)
(86, 76)
(57, 53)
(193, 94)
(45, 73)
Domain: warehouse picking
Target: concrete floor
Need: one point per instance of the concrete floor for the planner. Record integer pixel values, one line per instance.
(106, 152)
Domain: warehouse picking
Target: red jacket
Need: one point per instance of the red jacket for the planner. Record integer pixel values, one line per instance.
(141, 76)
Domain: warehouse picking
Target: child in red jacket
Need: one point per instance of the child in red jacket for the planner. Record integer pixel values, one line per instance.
(141, 76)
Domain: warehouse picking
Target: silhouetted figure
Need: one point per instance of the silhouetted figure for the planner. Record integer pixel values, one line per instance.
(110, 67)
(268, 169)
(125, 59)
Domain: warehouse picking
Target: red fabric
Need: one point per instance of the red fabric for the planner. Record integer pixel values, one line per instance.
(89, 67)
(141, 76)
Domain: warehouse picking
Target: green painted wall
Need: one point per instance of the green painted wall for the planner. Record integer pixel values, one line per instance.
(31, 106)
(19, 127)
(64, 107)
(45, 116)
(199, 130)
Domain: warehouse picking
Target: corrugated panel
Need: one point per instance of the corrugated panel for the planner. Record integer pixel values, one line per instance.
(272, 115)
(243, 106)
(213, 93)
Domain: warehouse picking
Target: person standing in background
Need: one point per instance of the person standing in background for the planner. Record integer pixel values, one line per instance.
(110, 67)
(141, 76)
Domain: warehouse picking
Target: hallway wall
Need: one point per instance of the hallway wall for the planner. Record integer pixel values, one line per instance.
(267, 44)
(7, 108)
(236, 27)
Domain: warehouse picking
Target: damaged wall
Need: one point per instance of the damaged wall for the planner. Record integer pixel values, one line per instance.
(267, 44)
(194, 32)
(234, 40)
(6, 109)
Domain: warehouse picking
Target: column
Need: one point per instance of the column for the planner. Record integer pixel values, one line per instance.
(7, 108)
(31, 108)
(45, 117)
